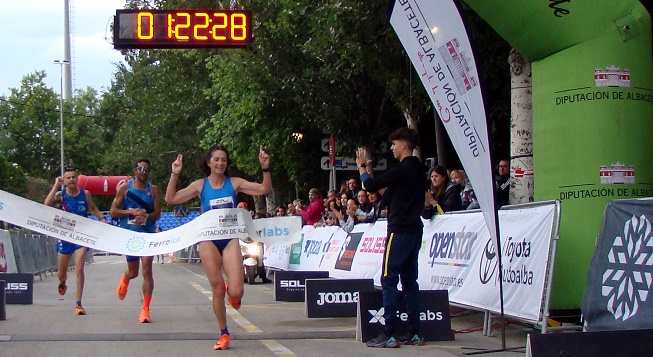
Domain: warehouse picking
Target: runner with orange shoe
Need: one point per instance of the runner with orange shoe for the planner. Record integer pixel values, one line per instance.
(218, 190)
(138, 206)
(67, 196)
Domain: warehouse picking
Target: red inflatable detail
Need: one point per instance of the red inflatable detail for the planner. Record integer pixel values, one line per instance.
(100, 185)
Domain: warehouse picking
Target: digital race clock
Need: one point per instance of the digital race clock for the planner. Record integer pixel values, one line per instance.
(181, 29)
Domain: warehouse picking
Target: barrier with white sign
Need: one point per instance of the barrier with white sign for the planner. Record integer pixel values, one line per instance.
(291, 285)
(19, 288)
(334, 297)
(435, 322)
(457, 255)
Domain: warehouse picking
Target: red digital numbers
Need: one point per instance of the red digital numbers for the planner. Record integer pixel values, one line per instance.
(182, 28)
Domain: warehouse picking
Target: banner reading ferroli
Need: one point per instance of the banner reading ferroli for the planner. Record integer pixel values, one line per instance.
(211, 225)
(592, 113)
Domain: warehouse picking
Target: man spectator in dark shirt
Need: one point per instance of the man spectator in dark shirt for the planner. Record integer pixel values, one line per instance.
(503, 183)
(405, 186)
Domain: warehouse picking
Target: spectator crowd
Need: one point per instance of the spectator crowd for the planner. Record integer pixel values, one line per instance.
(445, 191)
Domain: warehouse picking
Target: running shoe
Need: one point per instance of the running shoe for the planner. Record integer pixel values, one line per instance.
(223, 342)
(62, 288)
(79, 310)
(144, 317)
(121, 290)
(233, 302)
(411, 339)
(383, 341)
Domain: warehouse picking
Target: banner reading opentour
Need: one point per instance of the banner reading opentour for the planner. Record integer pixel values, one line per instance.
(434, 37)
(211, 225)
(457, 255)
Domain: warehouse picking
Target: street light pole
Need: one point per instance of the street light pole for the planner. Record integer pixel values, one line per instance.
(61, 64)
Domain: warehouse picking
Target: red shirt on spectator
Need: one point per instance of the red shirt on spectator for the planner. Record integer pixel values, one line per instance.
(313, 213)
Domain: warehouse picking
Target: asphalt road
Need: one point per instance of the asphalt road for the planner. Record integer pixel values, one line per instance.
(184, 324)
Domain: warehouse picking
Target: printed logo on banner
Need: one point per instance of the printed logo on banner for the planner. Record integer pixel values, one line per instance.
(377, 316)
(17, 286)
(64, 222)
(135, 244)
(453, 250)
(618, 173)
(273, 232)
(325, 250)
(312, 247)
(462, 67)
(228, 220)
(511, 249)
(428, 315)
(629, 265)
(347, 251)
(337, 298)
(296, 252)
(456, 246)
(373, 245)
(279, 250)
(2, 205)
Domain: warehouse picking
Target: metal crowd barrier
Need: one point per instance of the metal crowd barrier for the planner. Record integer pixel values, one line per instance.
(188, 254)
(37, 253)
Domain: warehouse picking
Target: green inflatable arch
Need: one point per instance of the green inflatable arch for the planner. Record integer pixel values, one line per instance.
(592, 113)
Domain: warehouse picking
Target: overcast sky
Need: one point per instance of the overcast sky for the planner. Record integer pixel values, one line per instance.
(31, 38)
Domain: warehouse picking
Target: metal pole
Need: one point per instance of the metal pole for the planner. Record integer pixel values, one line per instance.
(61, 65)
(67, 91)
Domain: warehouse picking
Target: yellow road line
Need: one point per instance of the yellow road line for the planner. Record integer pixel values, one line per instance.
(272, 345)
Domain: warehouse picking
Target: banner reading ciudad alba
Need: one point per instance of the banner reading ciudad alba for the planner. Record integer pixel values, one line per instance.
(592, 114)
(434, 37)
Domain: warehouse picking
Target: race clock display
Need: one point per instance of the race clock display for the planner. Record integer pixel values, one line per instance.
(135, 29)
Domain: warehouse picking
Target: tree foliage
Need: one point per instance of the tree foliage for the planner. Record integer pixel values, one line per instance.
(316, 68)
(12, 178)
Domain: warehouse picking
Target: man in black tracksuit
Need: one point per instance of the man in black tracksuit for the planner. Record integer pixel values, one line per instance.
(405, 187)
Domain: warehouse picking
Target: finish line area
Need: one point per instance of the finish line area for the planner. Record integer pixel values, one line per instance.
(183, 321)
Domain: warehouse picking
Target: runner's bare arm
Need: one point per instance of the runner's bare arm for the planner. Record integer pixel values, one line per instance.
(93, 208)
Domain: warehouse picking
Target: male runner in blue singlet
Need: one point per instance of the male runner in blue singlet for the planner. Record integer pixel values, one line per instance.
(138, 206)
(77, 201)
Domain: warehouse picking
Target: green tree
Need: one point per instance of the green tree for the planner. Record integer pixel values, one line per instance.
(29, 127)
(12, 178)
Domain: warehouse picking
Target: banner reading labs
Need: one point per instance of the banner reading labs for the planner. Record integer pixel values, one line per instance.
(457, 254)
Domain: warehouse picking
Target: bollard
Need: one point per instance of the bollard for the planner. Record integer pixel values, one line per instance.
(3, 300)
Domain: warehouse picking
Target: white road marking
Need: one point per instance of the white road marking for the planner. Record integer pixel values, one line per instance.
(272, 345)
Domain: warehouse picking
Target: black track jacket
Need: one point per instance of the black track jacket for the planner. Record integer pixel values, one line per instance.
(405, 194)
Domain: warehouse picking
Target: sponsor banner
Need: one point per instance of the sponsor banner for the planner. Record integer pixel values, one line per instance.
(291, 285)
(620, 276)
(211, 225)
(7, 258)
(277, 256)
(457, 255)
(434, 37)
(434, 315)
(334, 297)
(19, 288)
